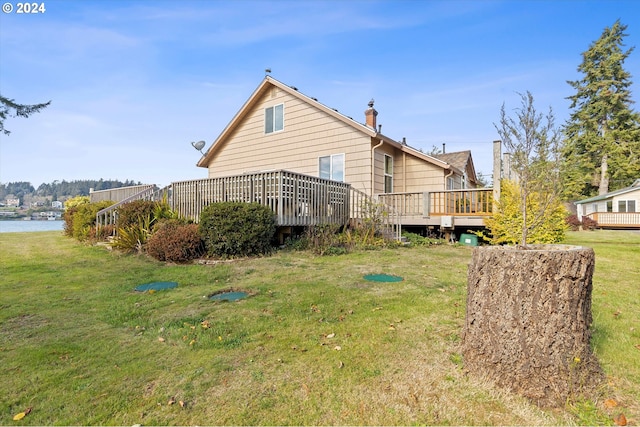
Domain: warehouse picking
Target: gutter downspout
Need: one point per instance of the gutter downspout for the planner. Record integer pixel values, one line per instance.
(373, 166)
(446, 177)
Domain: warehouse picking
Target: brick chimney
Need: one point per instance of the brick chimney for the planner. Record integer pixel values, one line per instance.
(370, 116)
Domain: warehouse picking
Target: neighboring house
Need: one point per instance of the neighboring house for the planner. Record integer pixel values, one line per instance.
(13, 202)
(280, 128)
(617, 209)
(56, 204)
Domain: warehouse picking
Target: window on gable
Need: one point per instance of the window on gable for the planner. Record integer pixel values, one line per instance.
(332, 167)
(274, 118)
(388, 174)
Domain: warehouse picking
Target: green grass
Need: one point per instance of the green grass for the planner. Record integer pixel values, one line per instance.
(314, 344)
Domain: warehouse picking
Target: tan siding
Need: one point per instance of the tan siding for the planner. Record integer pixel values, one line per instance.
(308, 134)
(423, 176)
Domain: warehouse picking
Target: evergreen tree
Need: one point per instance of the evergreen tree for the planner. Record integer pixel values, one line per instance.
(9, 108)
(601, 150)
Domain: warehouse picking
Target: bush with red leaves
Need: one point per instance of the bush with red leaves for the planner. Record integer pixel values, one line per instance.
(175, 241)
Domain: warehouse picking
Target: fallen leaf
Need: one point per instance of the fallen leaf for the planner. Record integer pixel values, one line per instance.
(620, 420)
(205, 324)
(617, 313)
(27, 411)
(161, 339)
(637, 346)
(391, 327)
(337, 348)
(340, 365)
(19, 416)
(331, 335)
(182, 404)
(610, 403)
(171, 401)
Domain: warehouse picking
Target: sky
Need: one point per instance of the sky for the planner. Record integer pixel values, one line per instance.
(133, 83)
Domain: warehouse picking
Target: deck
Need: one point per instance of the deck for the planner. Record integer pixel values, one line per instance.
(616, 219)
(295, 199)
(303, 200)
(446, 209)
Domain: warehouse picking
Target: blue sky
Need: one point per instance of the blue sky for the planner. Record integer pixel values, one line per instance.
(132, 83)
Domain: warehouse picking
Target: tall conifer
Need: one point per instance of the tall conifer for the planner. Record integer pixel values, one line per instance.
(601, 149)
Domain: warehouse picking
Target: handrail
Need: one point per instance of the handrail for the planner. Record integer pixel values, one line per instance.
(109, 214)
(364, 207)
(616, 219)
(118, 194)
(467, 202)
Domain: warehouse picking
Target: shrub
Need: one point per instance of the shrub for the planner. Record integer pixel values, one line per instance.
(573, 222)
(75, 201)
(133, 237)
(232, 229)
(588, 223)
(68, 220)
(324, 239)
(71, 207)
(176, 241)
(130, 214)
(418, 240)
(505, 226)
(80, 220)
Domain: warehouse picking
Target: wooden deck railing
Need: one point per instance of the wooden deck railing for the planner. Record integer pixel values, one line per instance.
(616, 219)
(108, 215)
(118, 194)
(303, 200)
(365, 208)
(296, 199)
(470, 202)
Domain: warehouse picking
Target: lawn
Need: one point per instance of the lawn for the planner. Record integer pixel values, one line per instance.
(315, 343)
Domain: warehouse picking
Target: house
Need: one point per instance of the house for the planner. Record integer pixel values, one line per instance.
(312, 164)
(13, 202)
(616, 209)
(278, 127)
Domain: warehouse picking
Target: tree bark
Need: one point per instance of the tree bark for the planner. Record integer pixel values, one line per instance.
(603, 187)
(528, 319)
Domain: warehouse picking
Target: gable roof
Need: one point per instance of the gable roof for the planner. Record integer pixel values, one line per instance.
(635, 186)
(459, 160)
(269, 82)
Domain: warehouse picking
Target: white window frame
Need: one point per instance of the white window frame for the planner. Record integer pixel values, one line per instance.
(450, 184)
(388, 175)
(333, 159)
(626, 205)
(274, 119)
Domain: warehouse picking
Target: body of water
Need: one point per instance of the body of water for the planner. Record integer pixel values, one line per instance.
(21, 226)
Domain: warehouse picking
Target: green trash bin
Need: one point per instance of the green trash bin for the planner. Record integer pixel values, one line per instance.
(469, 239)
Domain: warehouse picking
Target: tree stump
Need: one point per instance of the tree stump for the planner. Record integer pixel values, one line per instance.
(528, 321)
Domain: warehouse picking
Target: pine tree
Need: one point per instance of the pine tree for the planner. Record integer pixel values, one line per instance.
(601, 149)
(9, 108)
